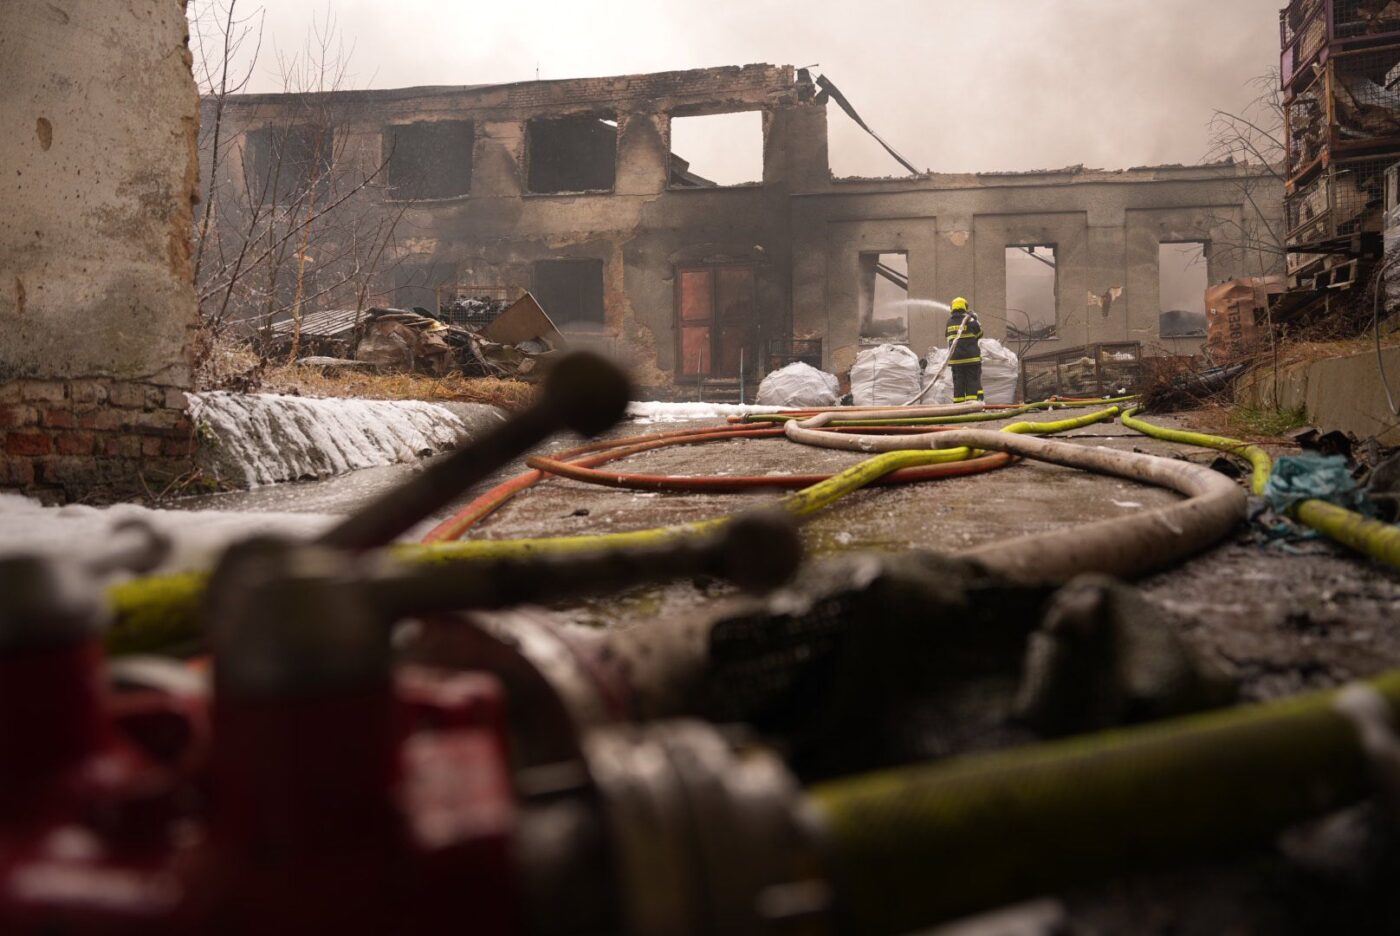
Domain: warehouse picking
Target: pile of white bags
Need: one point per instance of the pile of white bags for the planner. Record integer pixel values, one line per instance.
(799, 385)
(886, 375)
(1001, 374)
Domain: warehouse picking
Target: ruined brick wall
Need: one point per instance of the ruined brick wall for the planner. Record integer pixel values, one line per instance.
(97, 306)
(640, 228)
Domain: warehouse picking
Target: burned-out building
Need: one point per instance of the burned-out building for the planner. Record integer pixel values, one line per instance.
(570, 189)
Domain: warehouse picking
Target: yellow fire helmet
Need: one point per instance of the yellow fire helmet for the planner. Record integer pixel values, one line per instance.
(959, 304)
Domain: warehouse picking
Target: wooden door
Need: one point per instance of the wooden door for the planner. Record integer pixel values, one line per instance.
(715, 315)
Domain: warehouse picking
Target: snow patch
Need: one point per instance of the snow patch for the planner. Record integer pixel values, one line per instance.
(656, 411)
(263, 438)
(197, 537)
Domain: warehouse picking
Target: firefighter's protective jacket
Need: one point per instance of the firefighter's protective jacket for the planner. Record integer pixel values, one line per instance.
(965, 349)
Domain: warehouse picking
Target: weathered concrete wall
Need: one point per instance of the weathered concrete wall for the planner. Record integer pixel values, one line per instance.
(801, 230)
(1105, 227)
(1343, 393)
(641, 231)
(97, 307)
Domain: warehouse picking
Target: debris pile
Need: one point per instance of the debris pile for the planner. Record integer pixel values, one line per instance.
(1103, 369)
(479, 337)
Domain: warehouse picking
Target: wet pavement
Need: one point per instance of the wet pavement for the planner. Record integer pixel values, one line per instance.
(1280, 616)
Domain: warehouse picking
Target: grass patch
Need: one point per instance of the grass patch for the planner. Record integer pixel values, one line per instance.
(1264, 422)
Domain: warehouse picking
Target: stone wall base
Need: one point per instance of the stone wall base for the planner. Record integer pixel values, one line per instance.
(93, 439)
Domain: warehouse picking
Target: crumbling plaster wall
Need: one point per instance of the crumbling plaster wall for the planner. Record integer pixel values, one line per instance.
(642, 230)
(1105, 226)
(97, 306)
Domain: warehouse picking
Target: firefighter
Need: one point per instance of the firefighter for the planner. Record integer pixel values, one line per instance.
(964, 354)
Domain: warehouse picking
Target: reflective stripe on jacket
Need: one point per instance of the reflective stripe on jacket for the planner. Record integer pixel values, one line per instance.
(965, 350)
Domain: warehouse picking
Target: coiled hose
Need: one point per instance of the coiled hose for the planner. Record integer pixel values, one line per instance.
(1126, 547)
(1380, 541)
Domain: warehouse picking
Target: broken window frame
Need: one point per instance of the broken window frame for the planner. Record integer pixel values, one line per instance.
(706, 185)
(395, 187)
(1029, 338)
(607, 117)
(1205, 266)
(577, 324)
(726, 331)
(869, 286)
(266, 161)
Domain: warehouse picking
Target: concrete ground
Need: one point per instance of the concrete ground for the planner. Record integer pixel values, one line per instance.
(1280, 616)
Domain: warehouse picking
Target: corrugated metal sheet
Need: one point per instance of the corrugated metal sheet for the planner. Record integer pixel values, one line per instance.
(327, 324)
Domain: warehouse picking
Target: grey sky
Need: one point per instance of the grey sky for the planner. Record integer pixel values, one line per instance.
(956, 85)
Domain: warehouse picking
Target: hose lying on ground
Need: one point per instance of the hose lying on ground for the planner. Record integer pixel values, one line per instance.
(1126, 547)
(1260, 460)
(1380, 541)
(720, 484)
(914, 846)
(846, 416)
(155, 612)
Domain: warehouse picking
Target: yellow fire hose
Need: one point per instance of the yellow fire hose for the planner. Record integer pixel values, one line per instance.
(1380, 541)
(161, 611)
(878, 418)
(913, 846)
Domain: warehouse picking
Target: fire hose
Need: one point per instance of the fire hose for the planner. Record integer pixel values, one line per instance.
(1125, 547)
(928, 843)
(1380, 541)
(972, 464)
(163, 611)
(380, 797)
(903, 416)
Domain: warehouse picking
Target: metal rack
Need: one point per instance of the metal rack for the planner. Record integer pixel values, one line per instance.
(1349, 110)
(1340, 81)
(1311, 31)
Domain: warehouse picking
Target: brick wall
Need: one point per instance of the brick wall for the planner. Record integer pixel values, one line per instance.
(92, 439)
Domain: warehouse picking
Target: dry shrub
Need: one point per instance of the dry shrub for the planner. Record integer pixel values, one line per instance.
(226, 362)
(348, 382)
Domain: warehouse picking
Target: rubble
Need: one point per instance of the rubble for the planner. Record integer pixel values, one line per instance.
(516, 340)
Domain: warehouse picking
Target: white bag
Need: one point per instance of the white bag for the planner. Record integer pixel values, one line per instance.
(1001, 374)
(942, 390)
(799, 384)
(886, 375)
(1001, 371)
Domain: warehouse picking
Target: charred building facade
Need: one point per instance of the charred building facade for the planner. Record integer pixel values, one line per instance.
(571, 189)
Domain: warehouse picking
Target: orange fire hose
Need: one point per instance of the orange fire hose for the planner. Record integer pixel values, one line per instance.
(718, 484)
(602, 452)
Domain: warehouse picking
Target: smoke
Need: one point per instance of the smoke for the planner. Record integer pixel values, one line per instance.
(993, 85)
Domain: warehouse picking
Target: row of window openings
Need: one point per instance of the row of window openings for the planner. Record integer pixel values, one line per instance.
(433, 159)
(715, 304)
(1031, 292)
